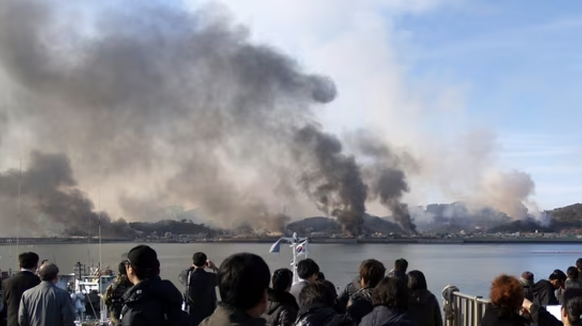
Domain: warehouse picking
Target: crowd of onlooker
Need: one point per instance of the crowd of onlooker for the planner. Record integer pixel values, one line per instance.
(251, 295)
(522, 301)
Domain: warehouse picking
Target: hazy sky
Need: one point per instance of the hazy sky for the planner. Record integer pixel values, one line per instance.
(442, 69)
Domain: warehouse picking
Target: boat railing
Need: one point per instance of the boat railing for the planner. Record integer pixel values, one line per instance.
(462, 309)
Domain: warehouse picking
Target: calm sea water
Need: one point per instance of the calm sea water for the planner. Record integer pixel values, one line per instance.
(470, 267)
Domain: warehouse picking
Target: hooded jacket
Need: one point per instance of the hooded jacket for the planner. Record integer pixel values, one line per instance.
(544, 293)
(282, 309)
(384, 316)
(320, 315)
(226, 315)
(424, 307)
(153, 302)
(360, 304)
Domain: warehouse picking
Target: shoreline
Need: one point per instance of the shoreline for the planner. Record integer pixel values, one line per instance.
(417, 241)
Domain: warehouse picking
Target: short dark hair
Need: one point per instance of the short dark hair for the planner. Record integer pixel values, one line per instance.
(243, 279)
(48, 272)
(372, 271)
(401, 265)
(282, 279)
(416, 281)
(391, 292)
(572, 272)
(319, 292)
(199, 259)
(306, 268)
(572, 303)
(558, 275)
(28, 260)
(579, 264)
(320, 276)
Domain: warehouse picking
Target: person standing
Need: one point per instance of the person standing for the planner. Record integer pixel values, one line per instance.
(308, 272)
(114, 293)
(201, 286)
(13, 287)
(46, 304)
(151, 300)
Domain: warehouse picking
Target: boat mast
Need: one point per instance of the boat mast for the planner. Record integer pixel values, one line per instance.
(19, 206)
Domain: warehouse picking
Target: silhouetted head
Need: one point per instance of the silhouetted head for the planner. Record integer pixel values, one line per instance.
(282, 279)
(572, 307)
(527, 278)
(557, 278)
(243, 280)
(318, 293)
(308, 270)
(371, 273)
(142, 264)
(392, 293)
(572, 272)
(401, 265)
(579, 264)
(122, 268)
(416, 281)
(28, 260)
(506, 294)
(200, 260)
(48, 272)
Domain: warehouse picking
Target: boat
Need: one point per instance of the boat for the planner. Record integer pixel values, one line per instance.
(87, 285)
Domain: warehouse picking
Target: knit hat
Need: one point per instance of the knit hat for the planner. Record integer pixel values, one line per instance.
(143, 257)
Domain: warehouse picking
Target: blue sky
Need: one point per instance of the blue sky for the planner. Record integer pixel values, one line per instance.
(523, 60)
(428, 73)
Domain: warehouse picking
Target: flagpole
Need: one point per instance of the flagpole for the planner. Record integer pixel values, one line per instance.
(294, 248)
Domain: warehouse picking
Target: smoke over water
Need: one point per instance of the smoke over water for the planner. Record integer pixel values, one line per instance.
(159, 105)
(333, 180)
(48, 191)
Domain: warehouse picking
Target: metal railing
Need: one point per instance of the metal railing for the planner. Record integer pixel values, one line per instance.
(465, 310)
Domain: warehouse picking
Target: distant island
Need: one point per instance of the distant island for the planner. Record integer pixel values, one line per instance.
(438, 223)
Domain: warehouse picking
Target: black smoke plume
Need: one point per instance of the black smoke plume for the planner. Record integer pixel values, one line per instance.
(383, 170)
(162, 105)
(48, 191)
(332, 180)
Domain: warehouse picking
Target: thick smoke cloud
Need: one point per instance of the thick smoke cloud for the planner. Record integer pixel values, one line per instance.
(384, 173)
(48, 194)
(333, 180)
(161, 105)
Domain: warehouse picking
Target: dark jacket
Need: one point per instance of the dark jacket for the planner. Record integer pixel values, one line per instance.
(46, 304)
(544, 294)
(528, 292)
(152, 302)
(320, 315)
(282, 309)
(538, 315)
(384, 316)
(360, 304)
(224, 315)
(399, 275)
(12, 289)
(424, 307)
(201, 295)
(349, 290)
